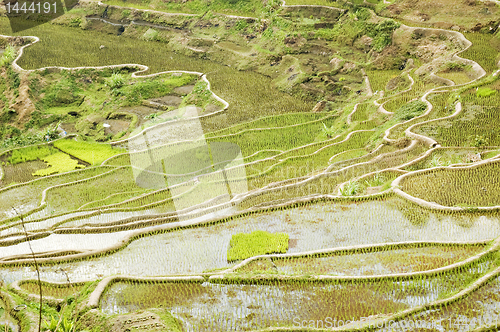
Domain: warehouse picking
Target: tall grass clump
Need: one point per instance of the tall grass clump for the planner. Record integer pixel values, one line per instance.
(351, 188)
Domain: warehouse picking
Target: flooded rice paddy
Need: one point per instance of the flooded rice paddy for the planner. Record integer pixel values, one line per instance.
(313, 227)
(235, 307)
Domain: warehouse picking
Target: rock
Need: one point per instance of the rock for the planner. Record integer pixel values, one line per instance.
(320, 106)
(363, 43)
(348, 66)
(336, 63)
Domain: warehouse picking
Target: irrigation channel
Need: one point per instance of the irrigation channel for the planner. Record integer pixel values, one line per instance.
(404, 254)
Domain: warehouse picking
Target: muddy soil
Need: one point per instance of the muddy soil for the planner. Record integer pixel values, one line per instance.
(116, 126)
(140, 111)
(168, 100)
(184, 90)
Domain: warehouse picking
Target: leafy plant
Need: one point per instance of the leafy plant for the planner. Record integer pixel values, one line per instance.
(327, 131)
(435, 162)
(116, 81)
(50, 326)
(8, 56)
(351, 188)
(376, 181)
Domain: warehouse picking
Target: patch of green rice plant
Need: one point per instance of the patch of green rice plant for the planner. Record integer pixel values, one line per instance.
(484, 50)
(456, 187)
(59, 163)
(244, 245)
(30, 153)
(380, 78)
(92, 153)
(485, 92)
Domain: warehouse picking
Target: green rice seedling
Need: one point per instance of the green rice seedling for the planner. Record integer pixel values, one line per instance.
(484, 50)
(92, 153)
(59, 163)
(29, 154)
(478, 117)
(485, 92)
(243, 245)
(452, 186)
(380, 78)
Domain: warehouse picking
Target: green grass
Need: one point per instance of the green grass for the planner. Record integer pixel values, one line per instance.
(244, 245)
(59, 163)
(29, 154)
(92, 153)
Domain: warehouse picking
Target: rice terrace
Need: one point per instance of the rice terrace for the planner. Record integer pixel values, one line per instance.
(249, 165)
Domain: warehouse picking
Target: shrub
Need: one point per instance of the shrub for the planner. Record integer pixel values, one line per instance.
(411, 110)
(116, 81)
(244, 245)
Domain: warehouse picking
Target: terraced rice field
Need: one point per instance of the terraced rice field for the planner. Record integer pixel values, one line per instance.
(389, 203)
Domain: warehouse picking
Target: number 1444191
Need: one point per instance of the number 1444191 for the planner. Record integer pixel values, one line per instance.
(38, 8)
